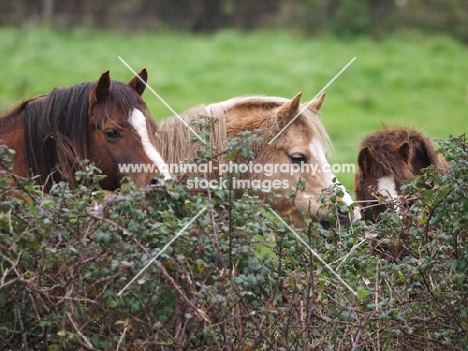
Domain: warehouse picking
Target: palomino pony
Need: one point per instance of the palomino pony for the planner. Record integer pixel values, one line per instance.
(298, 153)
(105, 122)
(387, 158)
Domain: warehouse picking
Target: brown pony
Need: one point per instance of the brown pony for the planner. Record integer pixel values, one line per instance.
(387, 158)
(105, 122)
(298, 153)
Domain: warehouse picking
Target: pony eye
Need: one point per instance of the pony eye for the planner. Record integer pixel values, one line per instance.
(112, 134)
(298, 159)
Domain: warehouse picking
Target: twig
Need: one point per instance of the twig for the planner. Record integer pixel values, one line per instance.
(23, 333)
(179, 290)
(121, 338)
(88, 344)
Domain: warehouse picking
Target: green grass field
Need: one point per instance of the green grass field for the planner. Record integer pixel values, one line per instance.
(408, 79)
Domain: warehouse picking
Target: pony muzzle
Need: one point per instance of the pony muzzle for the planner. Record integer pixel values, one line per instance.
(345, 219)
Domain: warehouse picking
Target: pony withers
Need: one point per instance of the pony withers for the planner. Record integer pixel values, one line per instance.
(105, 122)
(386, 159)
(298, 153)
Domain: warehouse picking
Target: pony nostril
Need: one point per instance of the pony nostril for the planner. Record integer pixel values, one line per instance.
(154, 181)
(325, 224)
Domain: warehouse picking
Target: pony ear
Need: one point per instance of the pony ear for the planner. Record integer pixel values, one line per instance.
(316, 104)
(137, 84)
(382, 123)
(289, 109)
(366, 158)
(404, 150)
(102, 88)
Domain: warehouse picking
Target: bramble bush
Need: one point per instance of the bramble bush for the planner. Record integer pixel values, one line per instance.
(236, 278)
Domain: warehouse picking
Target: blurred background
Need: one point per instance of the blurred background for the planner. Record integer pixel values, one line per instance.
(345, 17)
(411, 67)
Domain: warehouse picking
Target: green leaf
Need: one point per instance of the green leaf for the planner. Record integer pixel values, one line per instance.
(111, 303)
(344, 316)
(362, 293)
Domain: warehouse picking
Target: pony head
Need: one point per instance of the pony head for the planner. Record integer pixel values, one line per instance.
(105, 122)
(296, 148)
(385, 160)
(121, 132)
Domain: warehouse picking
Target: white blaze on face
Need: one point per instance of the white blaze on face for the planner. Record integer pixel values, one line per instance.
(324, 168)
(138, 122)
(386, 186)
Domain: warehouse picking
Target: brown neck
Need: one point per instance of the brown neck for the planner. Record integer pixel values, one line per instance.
(16, 142)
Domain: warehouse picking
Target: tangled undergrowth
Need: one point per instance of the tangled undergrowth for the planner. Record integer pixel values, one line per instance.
(236, 278)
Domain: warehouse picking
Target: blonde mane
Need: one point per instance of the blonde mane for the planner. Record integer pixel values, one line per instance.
(172, 137)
